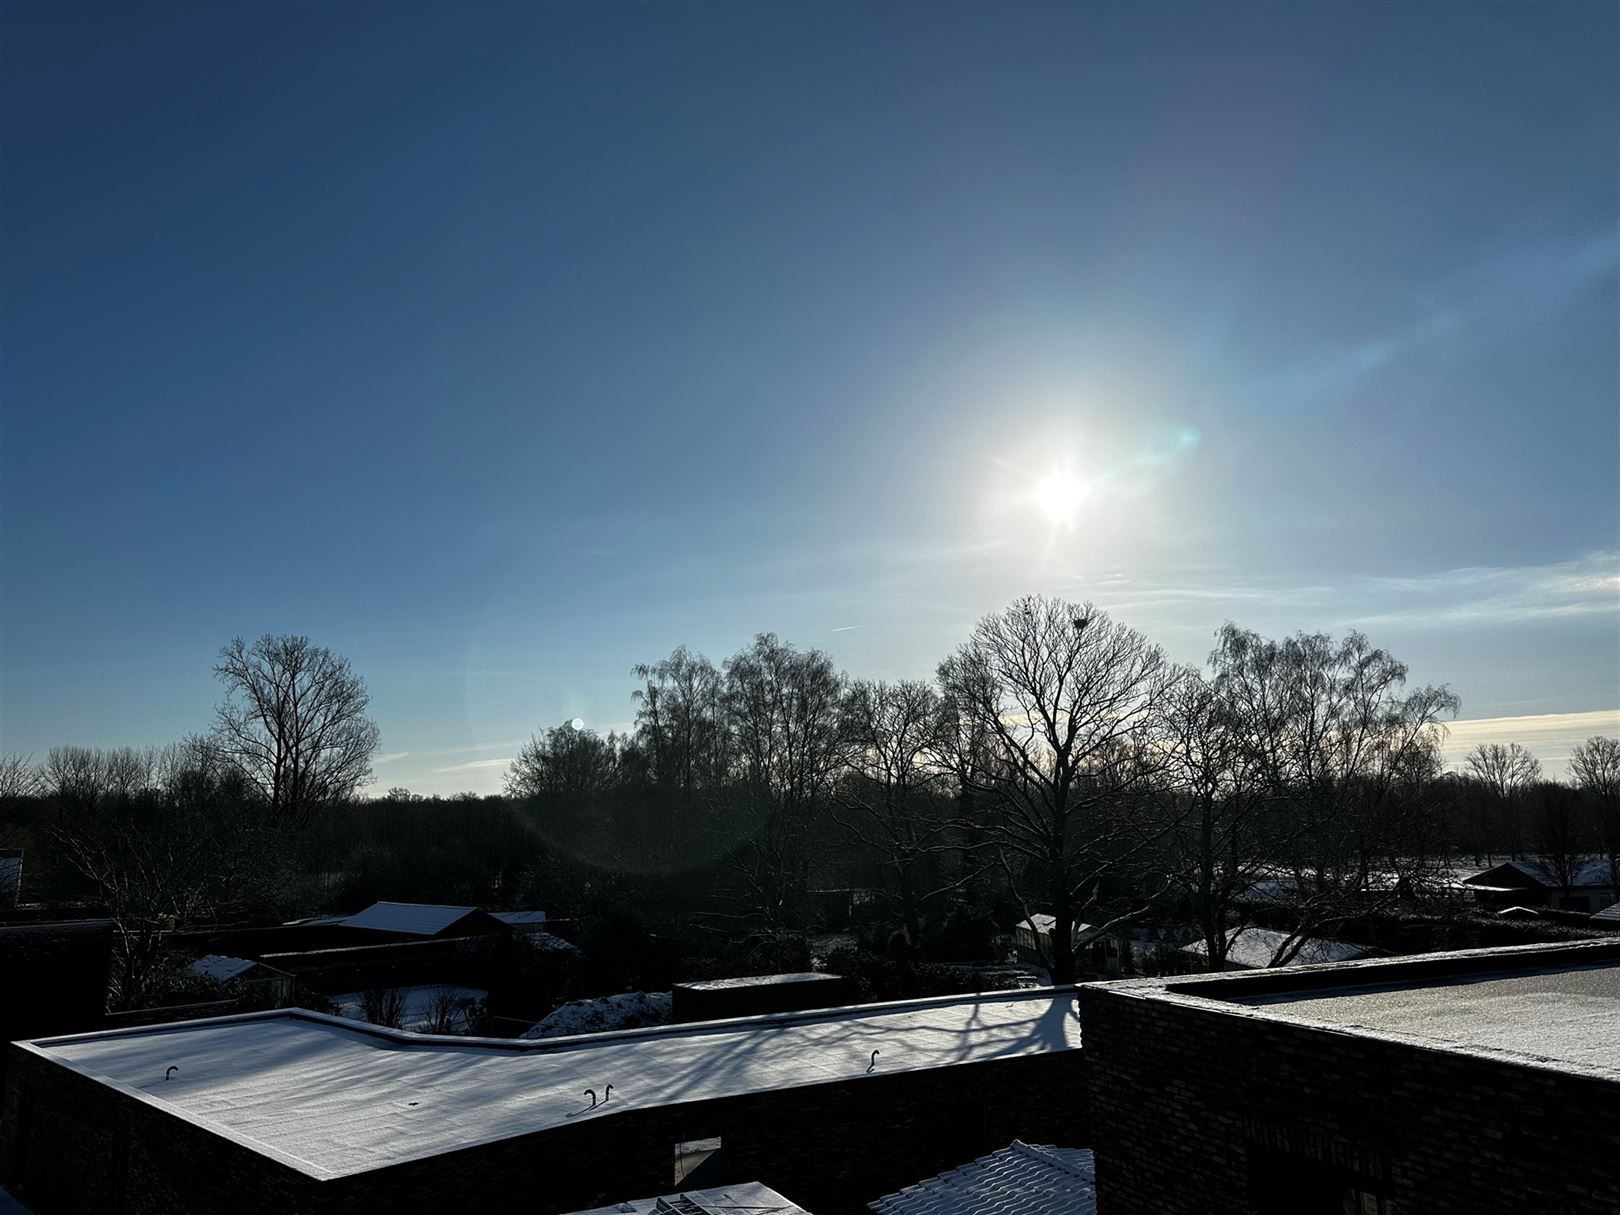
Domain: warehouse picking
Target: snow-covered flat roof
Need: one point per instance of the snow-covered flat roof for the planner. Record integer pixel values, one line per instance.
(1566, 1014)
(331, 1097)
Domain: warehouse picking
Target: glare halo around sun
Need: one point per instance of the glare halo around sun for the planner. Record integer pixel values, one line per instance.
(1058, 496)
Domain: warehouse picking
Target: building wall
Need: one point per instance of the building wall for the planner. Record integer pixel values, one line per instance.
(1186, 1100)
(829, 1147)
(71, 1145)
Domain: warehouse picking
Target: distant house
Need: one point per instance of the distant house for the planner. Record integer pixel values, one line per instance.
(1609, 917)
(1253, 949)
(1099, 954)
(524, 922)
(423, 920)
(1538, 884)
(1018, 1178)
(272, 987)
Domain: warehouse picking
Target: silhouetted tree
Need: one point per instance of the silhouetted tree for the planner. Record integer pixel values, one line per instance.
(1504, 773)
(1069, 707)
(294, 723)
(1343, 747)
(887, 797)
(1595, 767)
(783, 715)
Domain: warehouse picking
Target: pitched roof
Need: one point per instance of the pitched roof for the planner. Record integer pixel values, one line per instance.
(1609, 915)
(746, 1198)
(220, 968)
(1018, 1180)
(520, 917)
(415, 919)
(1582, 873)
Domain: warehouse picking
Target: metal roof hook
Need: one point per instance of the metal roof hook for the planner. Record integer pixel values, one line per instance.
(872, 1066)
(591, 1093)
(606, 1093)
(174, 1067)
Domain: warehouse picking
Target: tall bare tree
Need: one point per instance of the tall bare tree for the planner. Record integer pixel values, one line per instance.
(888, 798)
(1226, 837)
(1343, 746)
(680, 722)
(1595, 767)
(1505, 773)
(294, 723)
(783, 713)
(1069, 707)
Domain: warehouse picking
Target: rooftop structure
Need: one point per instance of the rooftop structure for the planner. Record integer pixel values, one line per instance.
(756, 995)
(1018, 1180)
(329, 1096)
(528, 921)
(220, 968)
(747, 1198)
(1564, 1015)
(1479, 1080)
(1591, 885)
(1608, 917)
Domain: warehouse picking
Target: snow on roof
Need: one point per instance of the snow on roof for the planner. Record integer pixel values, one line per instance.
(1017, 1180)
(1595, 872)
(416, 919)
(1565, 1013)
(1253, 949)
(332, 1097)
(220, 968)
(1609, 915)
(520, 917)
(746, 1198)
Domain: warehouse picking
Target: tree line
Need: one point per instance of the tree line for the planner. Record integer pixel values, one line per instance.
(1057, 762)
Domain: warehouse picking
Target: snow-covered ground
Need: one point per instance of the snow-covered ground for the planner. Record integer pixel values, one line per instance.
(627, 1010)
(421, 1006)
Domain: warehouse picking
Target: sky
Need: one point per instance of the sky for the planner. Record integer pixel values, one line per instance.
(500, 347)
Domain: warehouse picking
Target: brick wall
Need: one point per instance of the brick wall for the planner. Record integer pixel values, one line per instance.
(1184, 1098)
(830, 1147)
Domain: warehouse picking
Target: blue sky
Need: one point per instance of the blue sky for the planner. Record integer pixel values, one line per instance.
(500, 347)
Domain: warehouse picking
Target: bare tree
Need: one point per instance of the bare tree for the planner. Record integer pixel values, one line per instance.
(888, 799)
(164, 838)
(1343, 746)
(783, 715)
(294, 723)
(384, 1006)
(1069, 707)
(1225, 833)
(19, 778)
(1560, 830)
(1505, 773)
(681, 723)
(1595, 766)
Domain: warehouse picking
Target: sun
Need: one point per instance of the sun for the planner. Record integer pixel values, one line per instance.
(1058, 496)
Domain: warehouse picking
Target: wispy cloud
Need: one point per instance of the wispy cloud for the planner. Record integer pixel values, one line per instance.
(390, 757)
(477, 764)
(1500, 594)
(1549, 736)
(848, 628)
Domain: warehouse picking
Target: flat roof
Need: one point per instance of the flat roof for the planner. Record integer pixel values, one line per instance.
(1551, 1005)
(1549, 1014)
(331, 1097)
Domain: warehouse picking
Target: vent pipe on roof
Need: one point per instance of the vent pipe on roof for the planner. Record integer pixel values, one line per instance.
(606, 1093)
(591, 1093)
(172, 1069)
(872, 1066)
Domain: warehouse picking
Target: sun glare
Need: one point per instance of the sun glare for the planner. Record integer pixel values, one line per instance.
(1058, 495)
